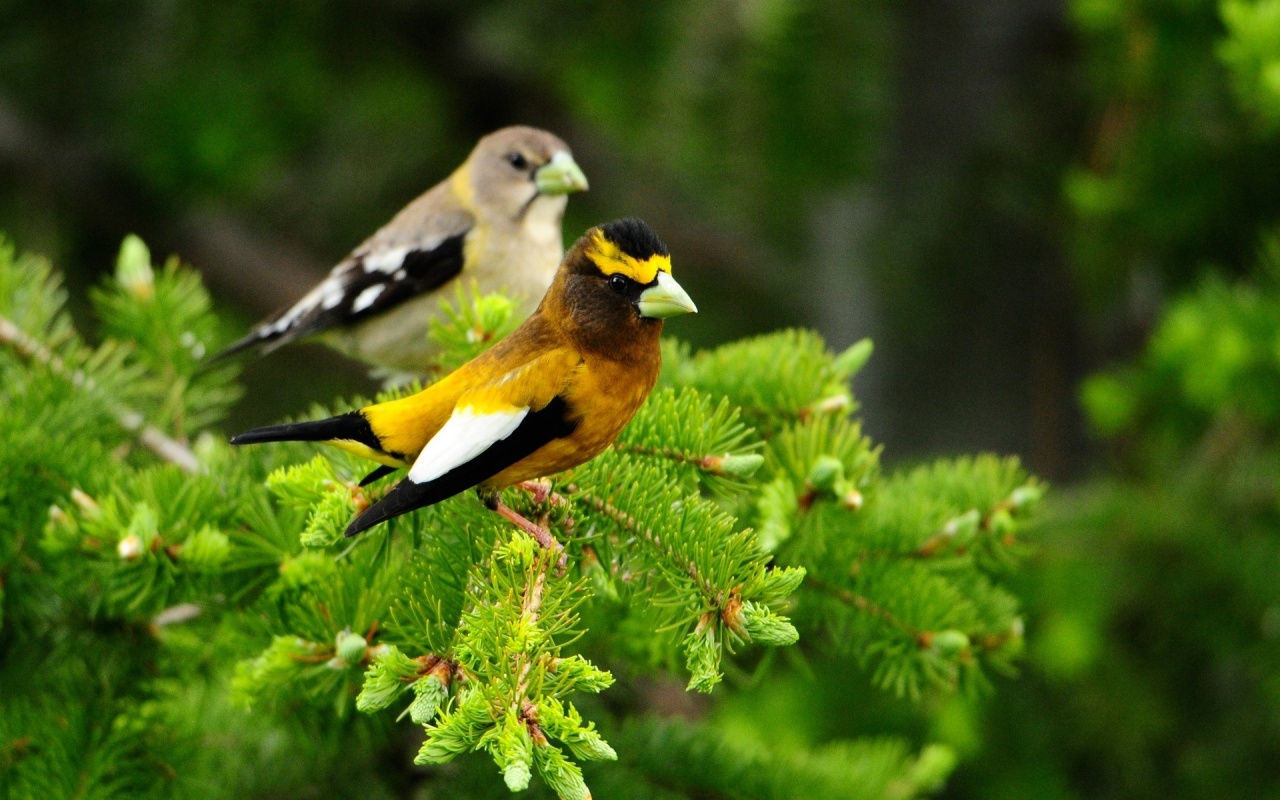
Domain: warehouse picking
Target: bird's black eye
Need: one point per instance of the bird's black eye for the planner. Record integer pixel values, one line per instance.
(518, 161)
(618, 284)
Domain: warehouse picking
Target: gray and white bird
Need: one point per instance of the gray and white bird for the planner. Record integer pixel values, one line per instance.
(495, 222)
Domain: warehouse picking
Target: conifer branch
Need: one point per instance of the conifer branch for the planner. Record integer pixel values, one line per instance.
(170, 450)
(727, 464)
(627, 522)
(861, 603)
(695, 531)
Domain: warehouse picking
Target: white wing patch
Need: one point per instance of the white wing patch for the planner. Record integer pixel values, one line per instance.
(366, 298)
(466, 435)
(387, 261)
(383, 263)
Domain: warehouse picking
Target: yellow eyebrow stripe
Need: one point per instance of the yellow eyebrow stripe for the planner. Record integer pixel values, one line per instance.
(612, 261)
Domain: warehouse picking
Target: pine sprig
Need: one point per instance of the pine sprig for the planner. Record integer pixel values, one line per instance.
(937, 531)
(164, 315)
(696, 758)
(168, 588)
(701, 567)
(33, 298)
(706, 439)
(518, 617)
(150, 544)
(779, 376)
(469, 325)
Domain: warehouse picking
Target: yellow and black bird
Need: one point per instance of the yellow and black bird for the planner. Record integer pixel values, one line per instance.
(553, 394)
(495, 221)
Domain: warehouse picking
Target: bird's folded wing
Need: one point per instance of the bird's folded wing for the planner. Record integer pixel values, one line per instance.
(492, 427)
(491, 413)
(390, 268)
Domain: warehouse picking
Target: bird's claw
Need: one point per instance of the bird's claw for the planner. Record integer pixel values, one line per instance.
(540, 491)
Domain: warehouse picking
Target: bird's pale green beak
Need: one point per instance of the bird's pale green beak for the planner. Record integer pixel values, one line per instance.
(667, 299)
(560, 175)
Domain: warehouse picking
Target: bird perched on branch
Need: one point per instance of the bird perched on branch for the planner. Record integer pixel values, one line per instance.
(553, 394)
(495, 220)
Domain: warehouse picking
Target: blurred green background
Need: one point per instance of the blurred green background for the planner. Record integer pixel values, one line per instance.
(1008, 195)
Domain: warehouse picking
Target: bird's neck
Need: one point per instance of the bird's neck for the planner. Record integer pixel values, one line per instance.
(544, 215)
(633, 344)
(629, 341)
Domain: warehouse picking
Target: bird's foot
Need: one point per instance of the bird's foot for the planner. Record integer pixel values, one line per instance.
(535, 530)
(540, 491)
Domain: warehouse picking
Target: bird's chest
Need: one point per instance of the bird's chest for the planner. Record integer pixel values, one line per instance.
(520, 259)
(602, 399)
(605, 399)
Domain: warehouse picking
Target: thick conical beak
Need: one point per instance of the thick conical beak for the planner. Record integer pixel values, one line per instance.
(667, 299)
(560, 175)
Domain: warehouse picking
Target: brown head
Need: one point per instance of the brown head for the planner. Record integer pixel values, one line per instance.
(614, 289)
(511, 169)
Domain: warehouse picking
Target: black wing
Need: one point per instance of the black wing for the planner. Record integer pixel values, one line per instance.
(368, 284)
(535, 430)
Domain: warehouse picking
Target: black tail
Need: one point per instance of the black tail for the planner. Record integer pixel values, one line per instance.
(380, 472)
(243, 343)
(352, 426)
(406, 496)
(262, 336)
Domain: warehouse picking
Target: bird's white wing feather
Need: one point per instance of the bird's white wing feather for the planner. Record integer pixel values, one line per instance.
(467, 434)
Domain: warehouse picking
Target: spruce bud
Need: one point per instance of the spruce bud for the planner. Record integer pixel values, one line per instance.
(835, 404)
(850, 498)
(350, 647)
(513, 751)
(765, 627)
(87, 505)
(949, 643)
(133, 269)
(61, 532)
(781, 582)
(964, 528)
(130, 547)
(702, 654)
(562, 775)
(739, 466)
(385, 679)
(854, 358)
(825, 472)
(1024, 497)
(429, 693)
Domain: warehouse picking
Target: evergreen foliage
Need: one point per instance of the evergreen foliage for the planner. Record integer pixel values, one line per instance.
(1184, 100)
(1154, 671)
(182, 619)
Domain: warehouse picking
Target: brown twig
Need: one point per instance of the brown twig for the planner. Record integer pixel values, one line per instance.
(168, 449)
(861, 603)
